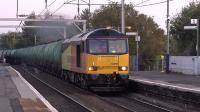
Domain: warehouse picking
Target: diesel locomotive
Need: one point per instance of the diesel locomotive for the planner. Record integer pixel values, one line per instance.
(96, 60)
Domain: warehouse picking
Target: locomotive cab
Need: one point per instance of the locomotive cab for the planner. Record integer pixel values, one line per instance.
(108, 59)
(98, 60)
(107, 56)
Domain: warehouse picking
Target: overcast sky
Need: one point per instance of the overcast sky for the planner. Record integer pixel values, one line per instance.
(158, 12)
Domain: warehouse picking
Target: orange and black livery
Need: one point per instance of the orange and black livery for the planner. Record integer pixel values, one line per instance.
(97, 60)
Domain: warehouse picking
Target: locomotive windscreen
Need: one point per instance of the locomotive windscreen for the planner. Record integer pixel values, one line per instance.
(106, 32)
(105, 46)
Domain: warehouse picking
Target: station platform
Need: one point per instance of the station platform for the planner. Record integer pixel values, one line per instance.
(17, 95)
(176, 81)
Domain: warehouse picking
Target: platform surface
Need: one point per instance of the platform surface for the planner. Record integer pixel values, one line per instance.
(174, 80)
(16, 95)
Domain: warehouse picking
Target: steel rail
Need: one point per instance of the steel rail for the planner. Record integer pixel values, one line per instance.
(91, 110)
(104, 99)
(150, 104)
(121, 106)
(63, 94)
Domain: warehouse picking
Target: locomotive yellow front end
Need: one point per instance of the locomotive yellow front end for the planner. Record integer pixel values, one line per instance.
(97, 60)
(108, 63)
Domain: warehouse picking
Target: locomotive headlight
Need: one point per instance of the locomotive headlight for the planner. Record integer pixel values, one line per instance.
(123, 68)
(92, 68)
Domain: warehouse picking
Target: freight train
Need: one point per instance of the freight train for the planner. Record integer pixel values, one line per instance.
(96, 60)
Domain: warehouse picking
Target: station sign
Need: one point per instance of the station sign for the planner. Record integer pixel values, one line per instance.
(131, 33)
(194, 21)
(190, 27)
(137, 38)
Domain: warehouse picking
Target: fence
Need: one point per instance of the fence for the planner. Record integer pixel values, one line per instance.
(185, 64)
(146, 64)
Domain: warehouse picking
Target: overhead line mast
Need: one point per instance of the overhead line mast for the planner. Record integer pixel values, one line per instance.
(122, 17)
(45, 4)
(167, 55)
(17, 9)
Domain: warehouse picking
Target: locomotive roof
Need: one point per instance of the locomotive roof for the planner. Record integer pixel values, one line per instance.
(98, 33)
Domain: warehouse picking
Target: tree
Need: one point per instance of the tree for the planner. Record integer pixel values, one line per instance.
(152, 37)
(185, 39)
(10, 40)
(29, 33)
(86, 15)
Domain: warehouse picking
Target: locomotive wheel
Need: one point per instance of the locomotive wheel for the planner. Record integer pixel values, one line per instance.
(62, 75)
(76, 79)
(83, 81)
(71, 77)
(66, 76)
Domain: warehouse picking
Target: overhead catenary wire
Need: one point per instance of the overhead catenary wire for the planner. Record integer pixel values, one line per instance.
(61, 6)
(137, 5)
(48, 6)
(142, 2)
(152, 4)
(57, 9)
(109, 0)
(84, 1)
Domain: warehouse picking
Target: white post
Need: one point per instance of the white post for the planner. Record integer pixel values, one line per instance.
(137, 60)
(65, 34)
(137, 39)
(196, 65)
(84, 27)
(35, 40)
(197, 46)
(162, 63)
(197, 38)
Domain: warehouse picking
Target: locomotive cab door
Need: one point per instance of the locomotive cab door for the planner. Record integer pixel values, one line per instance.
(78, 56)
(80, 48)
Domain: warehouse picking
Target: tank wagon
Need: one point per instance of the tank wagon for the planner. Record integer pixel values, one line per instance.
(97, 60)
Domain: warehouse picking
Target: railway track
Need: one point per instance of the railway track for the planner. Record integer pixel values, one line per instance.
(61, 93)
(135, 105)
(59, 100)
(86, 100)
(89, 102)
(150, 104)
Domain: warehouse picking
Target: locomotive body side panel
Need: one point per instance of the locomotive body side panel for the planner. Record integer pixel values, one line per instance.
(67, 58)
(70, 59)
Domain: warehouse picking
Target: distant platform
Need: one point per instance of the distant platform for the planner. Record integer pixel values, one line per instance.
(17, 95)
(175, 81)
